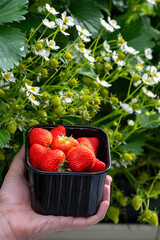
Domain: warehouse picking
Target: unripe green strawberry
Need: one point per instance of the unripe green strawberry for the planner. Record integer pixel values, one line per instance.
(29, 82)
(114, 100)
(86, 98)
(2, 156)
(2, 93)
(97, 100)
(153, 219)
(11, 127)
(87, 80)
(68, 56)
(32, 123)
(105, 93)
(44, 72)
(59, 110)
(99, 66)
(21, 67)
(123, 201)
(38, 46)
(150, 216)
(107, 66)
(121, 55)
(127, 157)
(136, 78)
(113, 214)
(55, 101)
(45, 96)
(73, 82)
(53, 63)
(71, 111)
(118, 136)
(136, 202)
(135, 106)
(43, 114)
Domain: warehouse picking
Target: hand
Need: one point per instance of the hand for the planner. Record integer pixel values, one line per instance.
(17, 219)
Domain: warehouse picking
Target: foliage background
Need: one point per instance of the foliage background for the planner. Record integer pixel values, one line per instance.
(139, 21)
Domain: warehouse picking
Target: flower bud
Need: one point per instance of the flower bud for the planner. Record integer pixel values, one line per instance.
(53, 63)
(68, 56)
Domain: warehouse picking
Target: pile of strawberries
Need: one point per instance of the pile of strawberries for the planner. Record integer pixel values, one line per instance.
(54, 151)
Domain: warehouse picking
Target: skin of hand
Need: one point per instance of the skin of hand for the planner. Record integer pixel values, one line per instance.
(17, 219)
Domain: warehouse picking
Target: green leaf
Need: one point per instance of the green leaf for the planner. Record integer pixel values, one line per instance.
(103, 4)
(11, 41)
(87, 14)
(12, 10)
(138, 32)
(4, 137)
(134, 144)
(149, 121)
(88, 71)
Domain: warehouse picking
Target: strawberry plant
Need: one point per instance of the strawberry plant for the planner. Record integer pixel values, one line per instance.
(86, 63)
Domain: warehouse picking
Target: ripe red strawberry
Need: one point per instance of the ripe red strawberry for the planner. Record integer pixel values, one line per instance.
(64, 143)
(80, 158)
(58, 131)
(40, 136)
(36, 152)
(98, 166)
(91, 142)
(51, 160)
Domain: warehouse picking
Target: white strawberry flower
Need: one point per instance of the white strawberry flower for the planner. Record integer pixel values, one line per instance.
(9, 76)
(103, 83)
(51, 9)
(52, 44)
(148, 92)
(126, 107)
(33, 100)
(67, 19)
(152, 1)
(154, 73)
(130, 122)
(86, 55)
(124, 47)
(113, 23)
(33, 90)
(148, 53)
(147, 80)
(44, 53)
(62, 26)
(107, 26)
(107, 47)
(49, 24)
(82, 31)
(117, 60)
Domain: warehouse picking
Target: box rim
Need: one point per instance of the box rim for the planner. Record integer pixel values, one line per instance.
(64, 173)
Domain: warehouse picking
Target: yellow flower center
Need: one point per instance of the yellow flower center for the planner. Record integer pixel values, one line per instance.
(51, 44)
(140, 65)
(66, 20)
(33, 89)
(7, 75)
(63, 28)
(148, 91)
(33, 97)
(147, 80)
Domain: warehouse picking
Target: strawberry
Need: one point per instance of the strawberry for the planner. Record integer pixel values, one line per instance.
(98, 166)
(51, 160)
(36, 152)
(80, 158)
(58, 131)
(40, 136)
(91, 142)
(64, 143)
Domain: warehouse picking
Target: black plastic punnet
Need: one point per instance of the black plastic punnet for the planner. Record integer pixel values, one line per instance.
(69, 193)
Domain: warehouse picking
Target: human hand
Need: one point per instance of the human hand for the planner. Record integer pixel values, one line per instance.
(17, 219)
